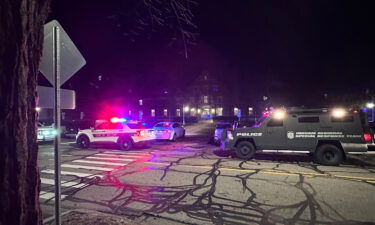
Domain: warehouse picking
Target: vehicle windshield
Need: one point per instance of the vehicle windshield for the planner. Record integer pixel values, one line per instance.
(135, 126)
(260, 121)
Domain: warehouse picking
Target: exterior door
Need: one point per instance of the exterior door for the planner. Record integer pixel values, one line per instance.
(273, 137)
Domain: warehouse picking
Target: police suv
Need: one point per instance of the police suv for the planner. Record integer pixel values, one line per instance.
(328, 134)
(118, 131)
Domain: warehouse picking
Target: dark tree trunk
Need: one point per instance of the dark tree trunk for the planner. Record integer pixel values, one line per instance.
(21, 37)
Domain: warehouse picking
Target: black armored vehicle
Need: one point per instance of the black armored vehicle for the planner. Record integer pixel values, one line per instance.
(327, 134)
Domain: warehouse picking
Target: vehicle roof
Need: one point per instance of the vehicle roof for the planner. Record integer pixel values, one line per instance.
(302, 110)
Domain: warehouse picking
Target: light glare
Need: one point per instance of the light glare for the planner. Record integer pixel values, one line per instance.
(370, 105)
(279, 114)
(338, 113)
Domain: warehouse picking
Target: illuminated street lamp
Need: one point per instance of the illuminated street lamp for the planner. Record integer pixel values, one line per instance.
(184, 109)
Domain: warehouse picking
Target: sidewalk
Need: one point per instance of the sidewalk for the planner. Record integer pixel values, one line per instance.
(88, 217)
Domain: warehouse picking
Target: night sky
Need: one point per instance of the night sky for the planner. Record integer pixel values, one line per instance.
(289, 49)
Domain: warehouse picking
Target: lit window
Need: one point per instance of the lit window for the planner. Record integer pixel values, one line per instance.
(140, 102)
(165, 112)
(205, 99)
(251, 110)
(178, 112)
(235, 111)
(153, 112)
(219, 111)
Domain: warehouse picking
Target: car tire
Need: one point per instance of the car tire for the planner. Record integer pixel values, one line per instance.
(125, 144)
(174, 138)
(245, 150)
(329, 155)
(183, 134)
(83, 142)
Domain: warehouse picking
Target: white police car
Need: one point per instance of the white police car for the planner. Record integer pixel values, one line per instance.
(118, 131)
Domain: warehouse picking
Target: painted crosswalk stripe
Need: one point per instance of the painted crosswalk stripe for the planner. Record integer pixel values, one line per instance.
(127, 153)
(86, 167)
(114, 159)
(63, 183)
(49, 195)
(120, 156)
(99, 162)
(87, 175)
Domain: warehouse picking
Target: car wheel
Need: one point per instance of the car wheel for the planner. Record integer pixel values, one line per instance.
(183, 134)
(245, 150)
(83, 142)
(125, 144)
(329, 155)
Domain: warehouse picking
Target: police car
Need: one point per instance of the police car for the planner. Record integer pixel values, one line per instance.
(328, 134)
(126, 134)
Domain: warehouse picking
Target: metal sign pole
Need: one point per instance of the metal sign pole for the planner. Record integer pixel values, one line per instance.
(56, 75)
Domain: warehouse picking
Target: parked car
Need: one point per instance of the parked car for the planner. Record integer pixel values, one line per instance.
(45, 133)
(169, 131)
(116, 131)
(220, 127)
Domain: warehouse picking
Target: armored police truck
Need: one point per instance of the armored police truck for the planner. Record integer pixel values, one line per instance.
(328, 134)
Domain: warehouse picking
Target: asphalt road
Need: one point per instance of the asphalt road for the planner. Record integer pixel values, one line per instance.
(192, 181)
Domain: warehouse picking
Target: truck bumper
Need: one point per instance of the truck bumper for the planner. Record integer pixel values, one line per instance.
(354, 147)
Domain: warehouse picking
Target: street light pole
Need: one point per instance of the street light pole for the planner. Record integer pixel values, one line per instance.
(184, 108)
(183, 115)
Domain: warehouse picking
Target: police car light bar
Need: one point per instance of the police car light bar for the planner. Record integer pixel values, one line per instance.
(118, 120)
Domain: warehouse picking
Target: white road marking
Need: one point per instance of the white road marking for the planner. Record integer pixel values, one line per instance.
(99, 162)
(113, 159)
(86, 167)
(68, 143)
(88, 175)
(49, 195)
(119, 156)
(63, 183)
(126, 153)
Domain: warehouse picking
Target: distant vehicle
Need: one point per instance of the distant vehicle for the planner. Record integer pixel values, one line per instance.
(329, 134)
(220, 127)
(45, 133)
(116, 131)
(169, 131)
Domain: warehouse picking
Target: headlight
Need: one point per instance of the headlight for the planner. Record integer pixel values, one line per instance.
(229, 135)
(45, 132)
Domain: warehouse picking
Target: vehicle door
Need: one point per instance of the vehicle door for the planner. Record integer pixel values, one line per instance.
(107, 132)
(301, 131)
(178, 129)
(273, 137)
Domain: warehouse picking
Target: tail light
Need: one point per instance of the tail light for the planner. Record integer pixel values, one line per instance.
(367, 137)
(140, 132)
